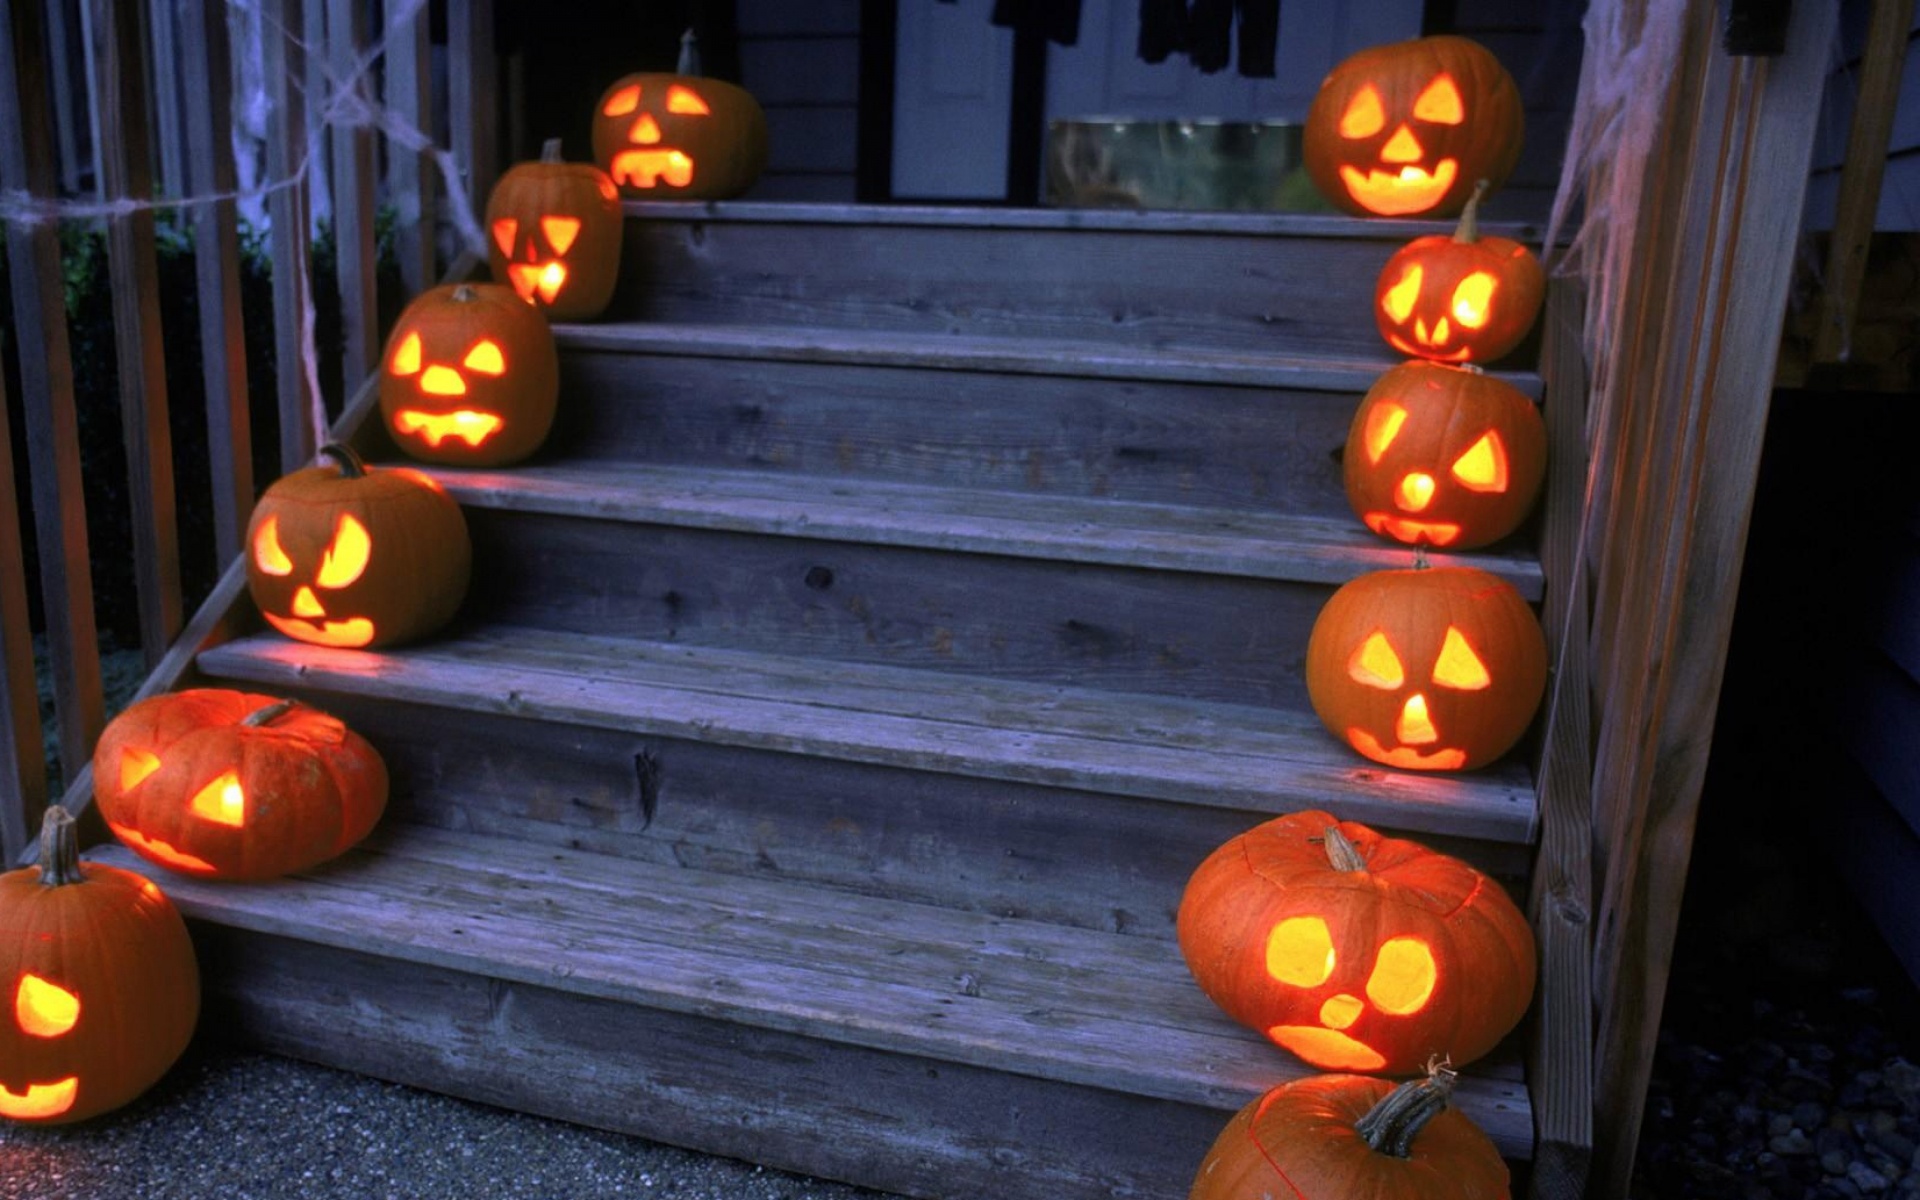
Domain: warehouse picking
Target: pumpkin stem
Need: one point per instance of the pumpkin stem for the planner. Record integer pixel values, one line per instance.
(550, 151)
(1469, 228)
(1391, 1125)
(351, 465)
(268, 715)
(1420, 562)
(59, 849)
(464, 294)
(689, 54)
(1341, 852)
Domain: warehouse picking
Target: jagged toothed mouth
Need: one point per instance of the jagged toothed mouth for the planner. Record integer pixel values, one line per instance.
(1412, 532)
(1410, 189)
(1405, 757)
(160, 851)
(351, 633)
(465, 424)
(648, 168)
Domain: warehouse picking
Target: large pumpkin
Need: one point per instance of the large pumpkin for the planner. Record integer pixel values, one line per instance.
(1444, 456)
(1407, 129)
(1356, 952)
(231, 785)
(1458, 299)
(98, 980)
(555, 230)
(1335, 1137)
(343, 554)
(679, 135)
(1428, 669)
(471, 376)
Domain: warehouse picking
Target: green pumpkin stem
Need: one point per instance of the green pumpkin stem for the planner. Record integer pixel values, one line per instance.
(1341, 852)
(689, 54)
(59, 849)
(1469, 228)
(550, 151)
(351, 465)
(1391, 1125)
(267, 715)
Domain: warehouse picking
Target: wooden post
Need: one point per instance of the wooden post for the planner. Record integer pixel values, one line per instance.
(287, 210)
(413, 179)
(23, 761)
(472, 77)
(353, 203)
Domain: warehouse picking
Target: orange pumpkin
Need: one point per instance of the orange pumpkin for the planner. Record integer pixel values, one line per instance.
(230, 785)
(679, 135)
(1428, 669)
(1459, 299)
(471, 377)
(1331, 1137)
(1354, 951)
(555, 230)
(1444, 456)
(1406, 129)
(343, 554)
(99, 982)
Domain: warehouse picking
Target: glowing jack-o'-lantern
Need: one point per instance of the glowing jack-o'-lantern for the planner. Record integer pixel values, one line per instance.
(1407, 129)
(1429, 669)
(229, 785)
(681, 135)
(1444, 456)
(471, 377)
(1356, 952)
(1459, 299)
(343, 554)
(99, 990)
(553, 229)
(1331, 1137)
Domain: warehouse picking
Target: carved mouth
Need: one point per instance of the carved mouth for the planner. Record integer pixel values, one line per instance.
(538, 279)
(466, 424)
(647, 168)
(1405, 757)
(1396, 193)
(40, 1100)
(161, 852)
(1426, 351)
(1412, 532)
(1327, 1048)
(351, 633)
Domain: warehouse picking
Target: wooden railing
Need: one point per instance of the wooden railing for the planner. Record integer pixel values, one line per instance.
(319, 153)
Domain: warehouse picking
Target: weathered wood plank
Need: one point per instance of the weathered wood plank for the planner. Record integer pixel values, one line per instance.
(473, 72)
(23, 763)
(285, 62)
(353, 184)
(1053, 529)
(1174, 751)
(413, 178)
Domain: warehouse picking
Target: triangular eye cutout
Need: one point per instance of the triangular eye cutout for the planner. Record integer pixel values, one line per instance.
(1472, 299)
(1483, 468)
(135, 765)
(1365, 115)
(1375, 664)
(1400, 298)
(686, 102)
(1458, 666)
(406, 356)
(486, 358)
(503, 234)
(223, 802)
(623, 101)
(560, 232)
(347, 556)
(1440, 103)
(1383, 425)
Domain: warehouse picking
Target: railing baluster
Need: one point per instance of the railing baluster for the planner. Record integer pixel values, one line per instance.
(46, 384)
(287, 210)
(353, 181)
(23, 753)
(472, 75)
(167, 135)
(413, 180)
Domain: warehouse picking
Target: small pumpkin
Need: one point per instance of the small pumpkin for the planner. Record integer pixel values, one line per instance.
(1427, 669)
(1458, 299)
(1354, 951)
(231, 785)
(679, 135)
(1444, 456)
(555, 230)
(471, 376)
(344, 554)
(99, 983)
(1406, 129)
(1333, 1137)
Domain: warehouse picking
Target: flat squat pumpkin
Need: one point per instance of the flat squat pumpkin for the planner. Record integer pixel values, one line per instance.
(679, 135)
(554, 235)
(232, 785)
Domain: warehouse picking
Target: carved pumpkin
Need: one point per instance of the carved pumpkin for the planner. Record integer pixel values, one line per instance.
(343, 554)
(1333, 1137)
(679, 136)
(554, 230)
(1354, 951)
(1459, 299)
(1445, 456)
(230, 785)
(471, 377)
(1406, 129)
(99, 983)
(1429, 669)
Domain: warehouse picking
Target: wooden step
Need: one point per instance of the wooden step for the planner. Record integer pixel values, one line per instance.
(894, 1045)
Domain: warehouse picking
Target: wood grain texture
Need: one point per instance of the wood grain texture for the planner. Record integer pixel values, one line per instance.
(23, 763)
(353, 187)
(413, 179)
(1154, 748)
(287, 209)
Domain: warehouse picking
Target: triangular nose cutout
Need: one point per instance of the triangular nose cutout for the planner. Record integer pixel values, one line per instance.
(1402, 147)
(645, 131)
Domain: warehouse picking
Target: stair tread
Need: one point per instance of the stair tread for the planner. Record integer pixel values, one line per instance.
(1156, 747)
(1015, 355)
(1308, 549)
(1078, 1006)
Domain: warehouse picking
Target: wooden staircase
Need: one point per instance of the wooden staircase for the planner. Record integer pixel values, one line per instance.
(906, 602)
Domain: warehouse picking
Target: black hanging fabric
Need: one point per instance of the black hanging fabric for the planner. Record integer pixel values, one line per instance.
(1055, 20)
(1204, 29)
(1163, 29)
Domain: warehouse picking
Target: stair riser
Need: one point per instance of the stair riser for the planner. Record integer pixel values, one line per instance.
(888, 1121)
(1215, 290)
(1197, 636)
(1182, 443)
